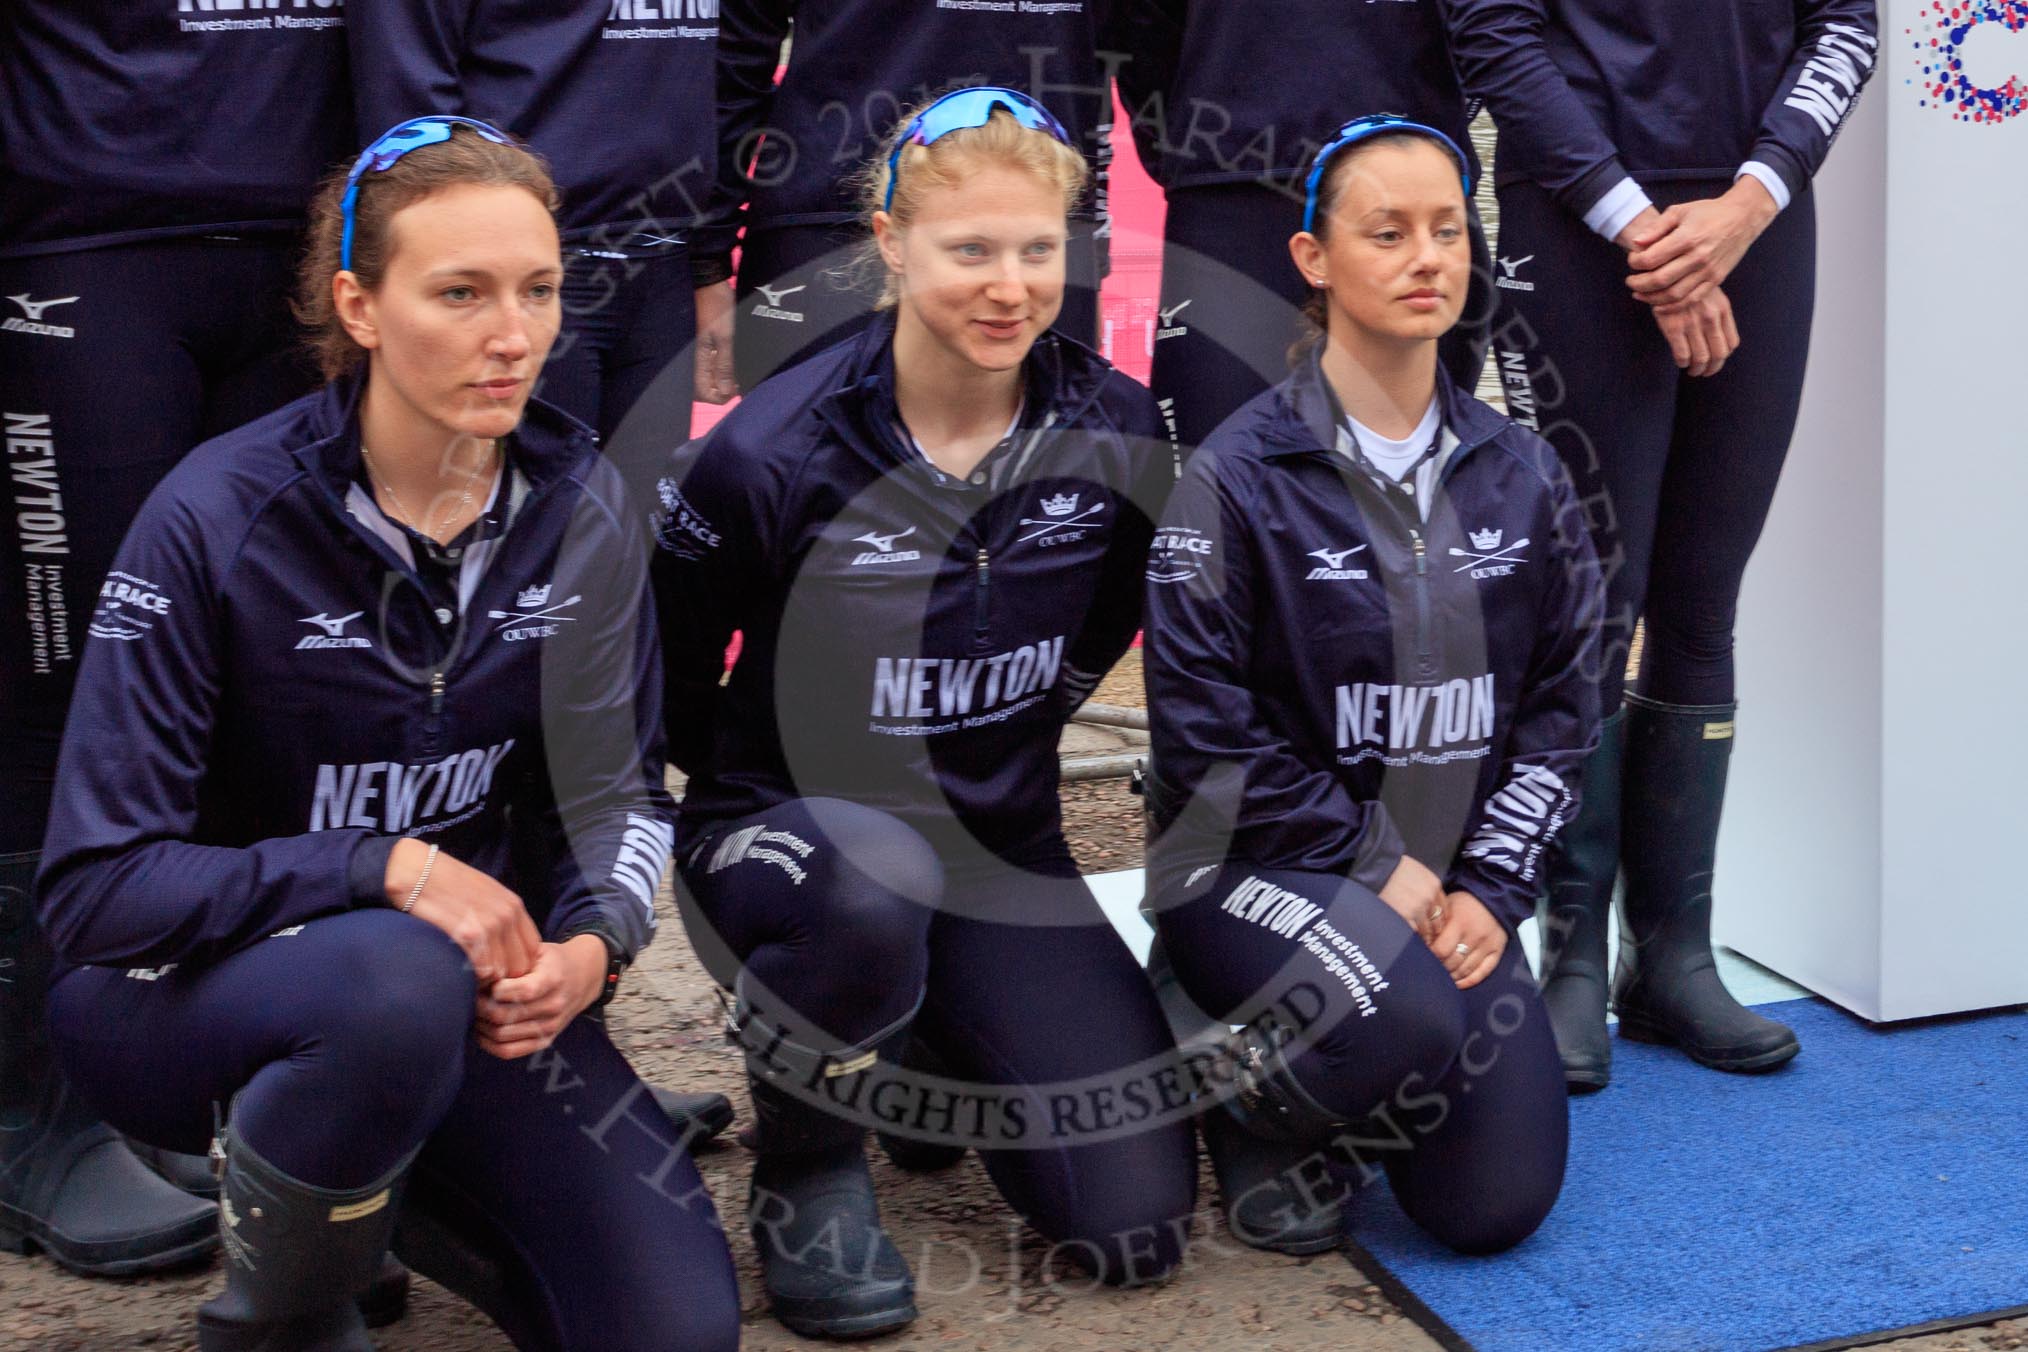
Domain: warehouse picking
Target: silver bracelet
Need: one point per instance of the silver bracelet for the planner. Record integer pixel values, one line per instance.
(429, 861)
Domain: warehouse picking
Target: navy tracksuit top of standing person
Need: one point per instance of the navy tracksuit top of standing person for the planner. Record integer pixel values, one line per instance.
(1340, 680)
(1590, 93)
(615, 94)
(856, 66)
(911, 642)
(270, 698)
(1224, 92)
(97, 141)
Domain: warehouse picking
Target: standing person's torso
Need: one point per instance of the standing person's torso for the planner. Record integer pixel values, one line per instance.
(855, 66)
(1680, 87)
(1259, 89)
(617, 95)
(127, 119)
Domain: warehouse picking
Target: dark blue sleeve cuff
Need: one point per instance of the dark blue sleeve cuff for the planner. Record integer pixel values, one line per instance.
(368, 870)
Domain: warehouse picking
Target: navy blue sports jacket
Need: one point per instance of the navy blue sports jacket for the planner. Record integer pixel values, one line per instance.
(615, 94)
(269, 699)
(1334, 681)
(146, 118)
(910, 642)
(1221, 92)
(856, 65)
(1590, 92)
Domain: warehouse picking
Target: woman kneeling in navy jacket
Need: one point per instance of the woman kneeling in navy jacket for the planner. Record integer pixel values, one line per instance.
(360, 807)
(1371, 612)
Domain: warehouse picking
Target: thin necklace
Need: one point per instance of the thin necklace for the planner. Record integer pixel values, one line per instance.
(401, 511)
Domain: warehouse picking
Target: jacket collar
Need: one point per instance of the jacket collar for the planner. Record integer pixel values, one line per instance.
(1307, 417)
(1063, 378)
(548, 444)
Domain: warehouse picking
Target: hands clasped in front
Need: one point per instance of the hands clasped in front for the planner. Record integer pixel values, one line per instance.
(1679, 259)
(529, 990)
(1456, 925)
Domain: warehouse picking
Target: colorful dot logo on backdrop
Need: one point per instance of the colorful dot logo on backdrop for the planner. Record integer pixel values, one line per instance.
(1939, 46)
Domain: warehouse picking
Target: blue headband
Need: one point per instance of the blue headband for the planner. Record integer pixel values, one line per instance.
(963, 108)
(1357, 130)
(390, 146)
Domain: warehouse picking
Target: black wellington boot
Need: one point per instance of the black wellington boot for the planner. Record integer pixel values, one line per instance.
(828, 1265)
(297, 1258)
(1276, 1194)
(68, 1184)
(1574, 912)
(1667, 988)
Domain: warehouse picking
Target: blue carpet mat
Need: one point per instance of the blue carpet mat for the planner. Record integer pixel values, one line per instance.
(1876, 1183)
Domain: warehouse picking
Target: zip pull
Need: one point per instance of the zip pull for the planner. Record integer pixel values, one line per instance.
(437, 692)
(984, 565)
(1421, 552)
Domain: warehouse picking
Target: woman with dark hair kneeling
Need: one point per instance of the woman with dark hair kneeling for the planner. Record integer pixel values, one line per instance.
(358, 663)
(1370, 609)
(931, 537)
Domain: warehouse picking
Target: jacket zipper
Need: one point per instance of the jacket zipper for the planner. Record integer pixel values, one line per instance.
(1425, 654)
(984, 568)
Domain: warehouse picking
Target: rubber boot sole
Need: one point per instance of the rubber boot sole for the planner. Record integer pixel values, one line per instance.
(184, 1246)
(850, 1328)
(1639, 1028)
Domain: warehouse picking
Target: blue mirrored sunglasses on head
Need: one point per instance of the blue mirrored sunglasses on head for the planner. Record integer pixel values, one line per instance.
(1358, 129)
(390, 146)
(964, 108)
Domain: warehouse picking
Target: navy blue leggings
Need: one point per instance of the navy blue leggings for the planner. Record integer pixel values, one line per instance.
(344, 1044)
(629, 330)
(1675, 474)
(1457, 1095)
(1232, 304)
(154, 347)
(1027, 994)
(800, 291)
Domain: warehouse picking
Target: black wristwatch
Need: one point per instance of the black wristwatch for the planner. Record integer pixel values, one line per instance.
(616, 963)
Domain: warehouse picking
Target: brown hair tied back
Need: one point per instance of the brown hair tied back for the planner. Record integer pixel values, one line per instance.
(466, 157)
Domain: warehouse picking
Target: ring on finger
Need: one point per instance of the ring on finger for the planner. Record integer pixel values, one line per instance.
(1463, 949)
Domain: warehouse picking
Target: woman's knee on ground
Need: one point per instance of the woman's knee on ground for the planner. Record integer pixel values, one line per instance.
(1482, 1220)
(1119, 1213)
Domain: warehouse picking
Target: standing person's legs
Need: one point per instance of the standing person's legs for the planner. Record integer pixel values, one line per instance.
(801, 288)
(1231, 305)
(131, 356)
(560, 1168)
(336, 1046)
(816, 915)
(1731, 437)
(1584, 363)
(629, 328)
(1045, 1003)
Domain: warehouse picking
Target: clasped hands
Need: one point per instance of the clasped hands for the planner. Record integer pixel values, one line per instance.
(529, 990)
(1456, 925)
(1679, 259)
